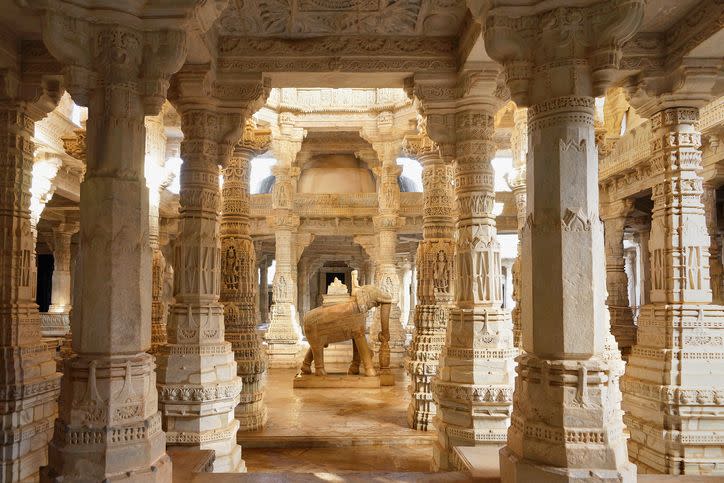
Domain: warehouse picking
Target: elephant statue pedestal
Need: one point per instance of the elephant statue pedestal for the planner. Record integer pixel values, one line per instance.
(341, 322)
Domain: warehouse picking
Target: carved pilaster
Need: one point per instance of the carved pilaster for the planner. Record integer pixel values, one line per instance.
(622, 325)
(566, 422)
(239, 279)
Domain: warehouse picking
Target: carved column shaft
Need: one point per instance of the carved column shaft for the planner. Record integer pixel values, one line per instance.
(715, 264)
(197, 401)
(516, 181)
(566, 422)
(239, 282)
(56, 323)
(264, 291)
(476, 367)
(155, 154)
(619, 307)
(109, 424)
(673, 388)
(386, 224)
(284, 333)
(434, 266)
(30, 384)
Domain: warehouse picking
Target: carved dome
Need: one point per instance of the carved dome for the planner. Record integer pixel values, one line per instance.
(336, 173)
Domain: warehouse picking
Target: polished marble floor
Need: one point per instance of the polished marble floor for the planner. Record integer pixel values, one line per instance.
(315, 430)
(306, 418)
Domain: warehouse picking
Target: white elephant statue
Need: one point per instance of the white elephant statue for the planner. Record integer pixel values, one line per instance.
(341, 322)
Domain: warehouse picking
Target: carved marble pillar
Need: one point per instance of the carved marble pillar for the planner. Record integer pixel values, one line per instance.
(155, 178)
(434, 266)
(715, 264)
(109, 426)
(622, 324)
(386, 224)
(643, 232)
(29, 385)
(403, 273)
(264, 290)
(239, 280)
(516, 181)
(674, 383)
(57, 322)
(284, 334)
(566, 423)
(474, 389)
(198, 383)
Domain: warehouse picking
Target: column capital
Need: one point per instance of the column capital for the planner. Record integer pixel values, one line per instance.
(692, 84)
(283, 221)
(421, 147)
(68, 228)
(388, 222)
(528, 43)
(254, 140)
(616, 209)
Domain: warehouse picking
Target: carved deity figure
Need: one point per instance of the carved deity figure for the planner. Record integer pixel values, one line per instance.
(341, 322)
(231, 269)
(441, 273)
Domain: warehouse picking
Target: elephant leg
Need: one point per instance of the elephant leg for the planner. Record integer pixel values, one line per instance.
(354, 365)
(307, 364)
(365, 354)
(318, 352)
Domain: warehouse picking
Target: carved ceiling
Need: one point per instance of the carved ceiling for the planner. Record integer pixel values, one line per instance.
(310, 18)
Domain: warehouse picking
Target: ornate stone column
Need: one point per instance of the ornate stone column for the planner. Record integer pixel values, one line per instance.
(386, 224)
(566, 423)
(674, 383)
(623, 329)
(198, 383)
(239, 279)
(109, 426)
(715, 264)
(284, 334)
(155, 179)
(474, 388)
(57, 322)
(264, 290)
(434, 266)
(29, 385)
(516, 181)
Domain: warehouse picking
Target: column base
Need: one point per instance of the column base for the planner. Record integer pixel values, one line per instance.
(286, 355)
(29, 408)
(54, 324)
(515, 469)
(161, 471)
(251, 420)
(673, 390)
